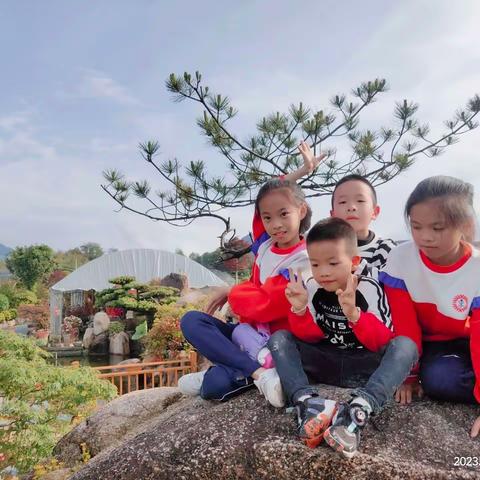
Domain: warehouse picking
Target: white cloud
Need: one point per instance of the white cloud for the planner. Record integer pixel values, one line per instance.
(18, 139)
(97, 85)
(13, 121)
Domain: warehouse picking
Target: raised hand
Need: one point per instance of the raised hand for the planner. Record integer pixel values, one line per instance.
(347, 298)
(310, 162)
(296, 292)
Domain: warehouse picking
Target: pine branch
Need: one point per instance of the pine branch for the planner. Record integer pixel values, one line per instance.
(272, 151)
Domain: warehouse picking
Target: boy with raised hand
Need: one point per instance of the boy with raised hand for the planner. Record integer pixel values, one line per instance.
(354, 199)
(339, 325)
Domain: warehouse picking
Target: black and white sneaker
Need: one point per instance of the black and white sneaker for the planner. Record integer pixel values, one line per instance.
(344, 433)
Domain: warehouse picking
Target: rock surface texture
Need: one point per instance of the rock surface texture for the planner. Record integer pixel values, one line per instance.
(158, 434)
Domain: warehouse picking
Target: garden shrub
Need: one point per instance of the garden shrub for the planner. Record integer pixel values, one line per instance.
(165, 338)
(40, 402)
(116, 327)
(39, 314)
(4, 302)
(7, 315)
(17, 295)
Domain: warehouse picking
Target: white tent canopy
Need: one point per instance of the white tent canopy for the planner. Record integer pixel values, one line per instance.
(143, 264)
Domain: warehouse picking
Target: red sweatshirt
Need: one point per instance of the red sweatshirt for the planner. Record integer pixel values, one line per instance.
(434, 303)
(324, 318)
(262, 299)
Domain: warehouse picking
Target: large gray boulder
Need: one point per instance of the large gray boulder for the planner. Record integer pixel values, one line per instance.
(116, 422)
(158, 434)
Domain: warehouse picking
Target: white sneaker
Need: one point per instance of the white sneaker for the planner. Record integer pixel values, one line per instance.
(269, 384)
(191, 383)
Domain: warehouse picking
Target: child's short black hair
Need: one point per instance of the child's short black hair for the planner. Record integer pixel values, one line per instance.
(359, 178)
(333, 228)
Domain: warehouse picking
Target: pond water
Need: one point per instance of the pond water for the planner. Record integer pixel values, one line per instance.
(89, 360)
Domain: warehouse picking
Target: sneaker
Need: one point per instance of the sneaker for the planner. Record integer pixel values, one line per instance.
(269, 384)
(314, 415)
(191, 383)
(344, 434)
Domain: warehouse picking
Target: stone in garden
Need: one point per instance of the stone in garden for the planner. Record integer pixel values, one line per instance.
(100, 344)
(129, 361)
(176, 280)
(88, 337)
(158, 434)
(101, 321)
(120, 344)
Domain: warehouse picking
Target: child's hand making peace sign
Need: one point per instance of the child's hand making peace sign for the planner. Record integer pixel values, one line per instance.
(347, 298)
(296, 292)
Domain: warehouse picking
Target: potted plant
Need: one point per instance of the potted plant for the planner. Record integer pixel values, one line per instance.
(70, 329)
(42, 336)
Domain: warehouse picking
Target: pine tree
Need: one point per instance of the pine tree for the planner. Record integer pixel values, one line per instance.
(380, 155)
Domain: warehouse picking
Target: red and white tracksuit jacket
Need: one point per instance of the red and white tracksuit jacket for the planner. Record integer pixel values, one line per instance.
(435, 303)
(262, 300)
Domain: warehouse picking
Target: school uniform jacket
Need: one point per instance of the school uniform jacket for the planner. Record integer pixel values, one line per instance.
(262, 299)
(433, 303)
(324, 318)
(375, 250)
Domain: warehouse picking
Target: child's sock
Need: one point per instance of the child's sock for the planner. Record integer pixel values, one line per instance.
(265, 359)
(363, 403)
(303, 398)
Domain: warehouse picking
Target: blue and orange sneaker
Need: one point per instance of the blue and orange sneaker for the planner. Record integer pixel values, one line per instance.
(314, 415)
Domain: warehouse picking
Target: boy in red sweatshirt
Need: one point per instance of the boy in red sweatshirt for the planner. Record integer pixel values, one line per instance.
(340, 326)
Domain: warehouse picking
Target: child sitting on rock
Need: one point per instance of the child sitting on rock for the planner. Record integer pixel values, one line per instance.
(354, 200)
(260, 302)
(339, 327)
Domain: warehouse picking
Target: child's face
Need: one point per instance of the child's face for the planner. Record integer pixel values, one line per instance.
(353, 202)
(331, 263)
(281, 217)
(438, 241)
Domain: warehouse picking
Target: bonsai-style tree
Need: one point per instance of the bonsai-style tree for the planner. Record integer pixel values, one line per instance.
(138, 297)
(192, 192)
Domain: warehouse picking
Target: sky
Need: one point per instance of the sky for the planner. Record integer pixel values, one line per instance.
(83, 83)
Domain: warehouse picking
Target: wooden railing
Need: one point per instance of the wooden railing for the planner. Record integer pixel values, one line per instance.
(139, 376)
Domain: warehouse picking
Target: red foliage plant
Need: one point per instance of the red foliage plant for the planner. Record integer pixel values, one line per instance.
(39, 314)
(55, 277)
(245, 262)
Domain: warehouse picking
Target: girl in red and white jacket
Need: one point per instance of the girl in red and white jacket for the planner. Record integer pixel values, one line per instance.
(433, 287)
(258, 302)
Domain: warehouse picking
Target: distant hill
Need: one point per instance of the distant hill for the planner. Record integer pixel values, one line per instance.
(4, 251)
